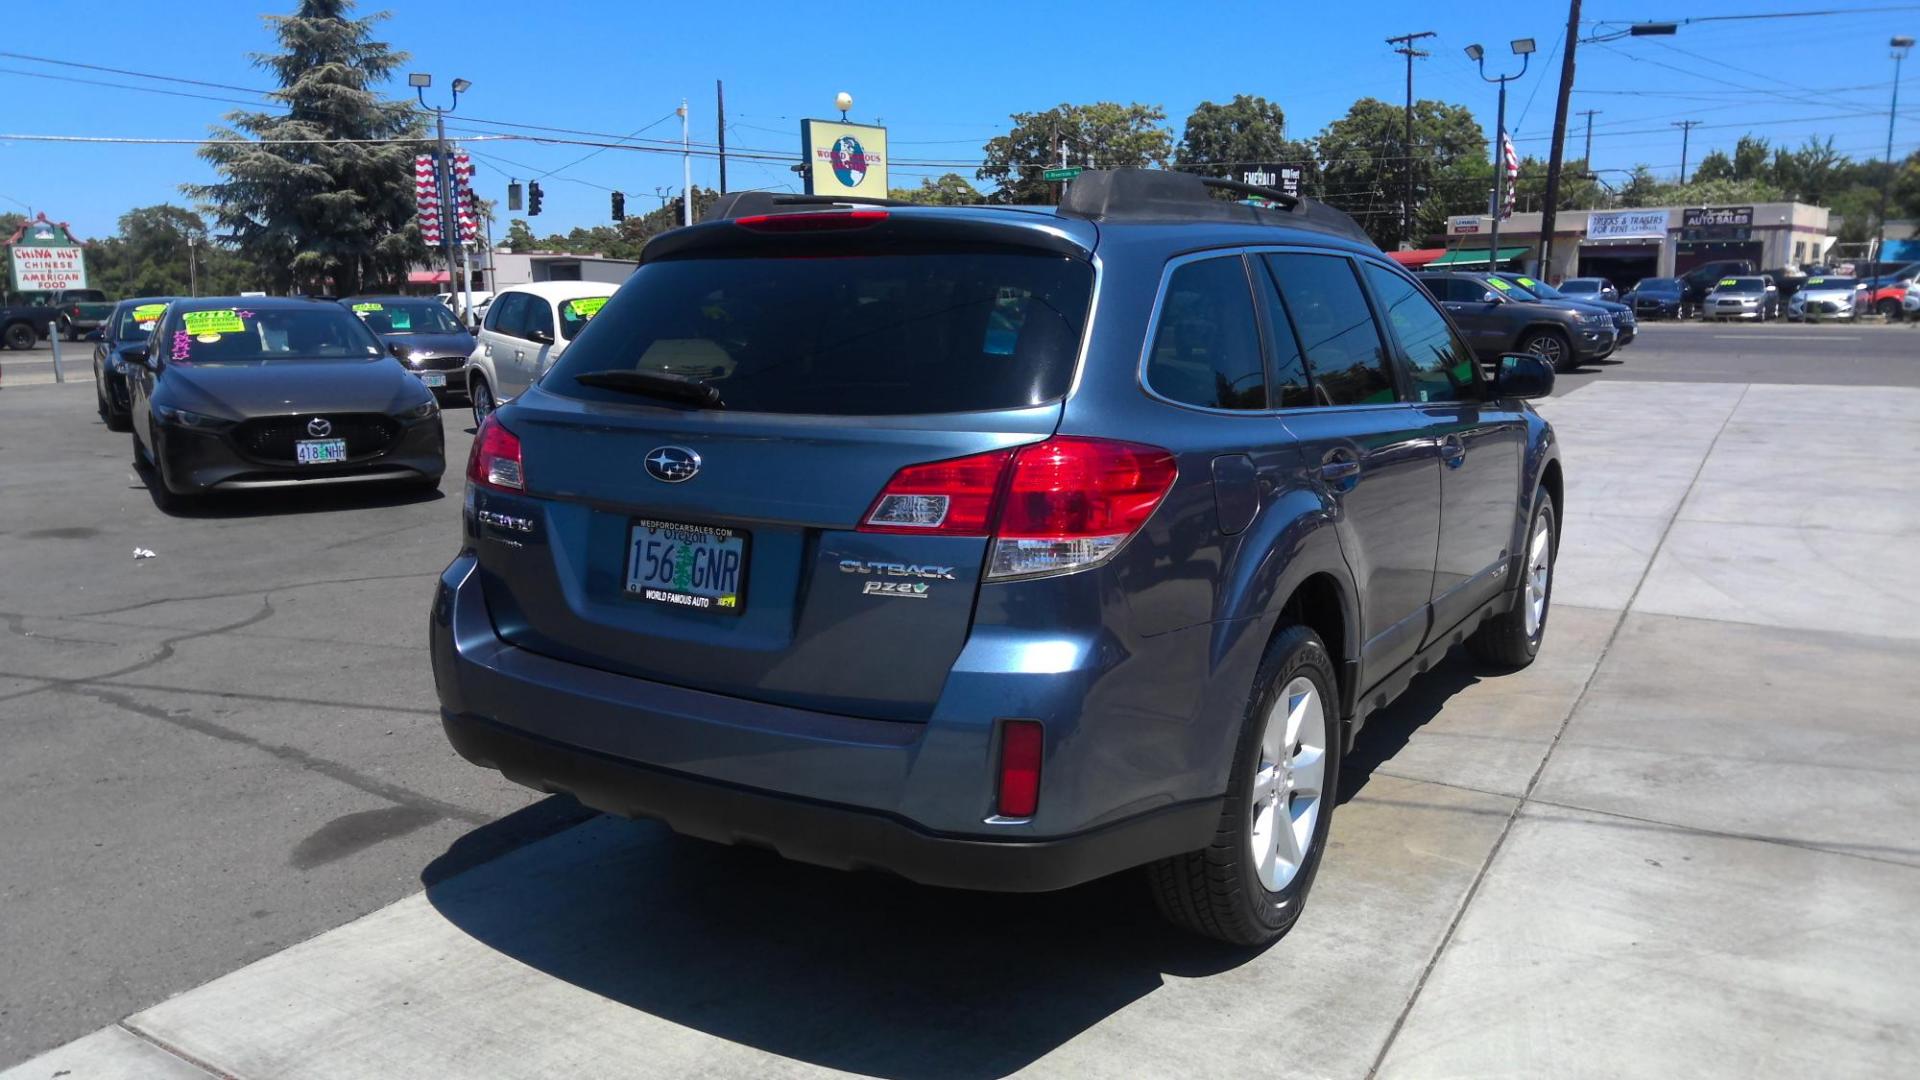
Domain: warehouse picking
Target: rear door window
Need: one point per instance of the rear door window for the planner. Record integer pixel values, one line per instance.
(1345, 356)
(508, 315)
(1206, 344)
(1441, 367)
(856, 335)
(538, 318)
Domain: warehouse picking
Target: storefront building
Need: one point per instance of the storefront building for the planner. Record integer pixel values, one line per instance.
(1627, 245)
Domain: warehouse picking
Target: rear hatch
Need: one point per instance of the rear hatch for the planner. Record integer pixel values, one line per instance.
(716, 546)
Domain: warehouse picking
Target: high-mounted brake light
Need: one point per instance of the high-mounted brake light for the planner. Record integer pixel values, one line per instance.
(1059, 505)
(812, 221)
(495, 460)
(1020, 748)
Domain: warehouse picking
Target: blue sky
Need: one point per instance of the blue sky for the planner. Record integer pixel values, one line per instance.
(943, 78)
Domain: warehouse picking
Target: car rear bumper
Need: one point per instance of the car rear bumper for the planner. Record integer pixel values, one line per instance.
(913, 798)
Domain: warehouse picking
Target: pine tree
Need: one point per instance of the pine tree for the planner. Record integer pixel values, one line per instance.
(335, 213)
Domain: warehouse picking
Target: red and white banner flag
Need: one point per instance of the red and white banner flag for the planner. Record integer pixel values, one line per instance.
(463, 205)
(1512, 163)
(426, 195)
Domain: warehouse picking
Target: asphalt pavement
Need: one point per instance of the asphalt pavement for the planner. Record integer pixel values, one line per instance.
(1679, 844)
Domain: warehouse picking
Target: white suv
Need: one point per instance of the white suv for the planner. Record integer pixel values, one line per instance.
(527, 328)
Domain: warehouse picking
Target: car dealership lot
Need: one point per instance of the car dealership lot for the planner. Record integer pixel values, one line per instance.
(1680, 844)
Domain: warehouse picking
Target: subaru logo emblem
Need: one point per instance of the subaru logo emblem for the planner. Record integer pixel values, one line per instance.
(319, 427)
(672, 464)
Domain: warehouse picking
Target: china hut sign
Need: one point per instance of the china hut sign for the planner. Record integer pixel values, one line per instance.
(46, 258)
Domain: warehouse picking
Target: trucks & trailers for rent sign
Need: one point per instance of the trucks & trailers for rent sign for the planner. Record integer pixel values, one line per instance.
(48, 269)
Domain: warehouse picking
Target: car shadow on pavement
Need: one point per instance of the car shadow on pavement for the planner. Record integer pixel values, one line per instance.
(1389, 730)
(855, 971)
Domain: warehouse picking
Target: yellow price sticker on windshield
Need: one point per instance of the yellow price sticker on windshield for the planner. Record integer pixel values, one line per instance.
(369, 307)
(587, 306)
(1498, 284)
(1728, 281)
(213, 322)
(1528, 282)
(148, 312)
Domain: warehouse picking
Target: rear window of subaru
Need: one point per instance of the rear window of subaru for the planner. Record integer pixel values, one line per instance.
(883, 334)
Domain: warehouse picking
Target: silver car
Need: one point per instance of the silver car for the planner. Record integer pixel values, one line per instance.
(1590, 288)
(1752, 297)
(1825, 298)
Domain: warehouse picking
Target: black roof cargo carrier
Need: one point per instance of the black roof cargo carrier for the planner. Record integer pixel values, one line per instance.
(1161, 195)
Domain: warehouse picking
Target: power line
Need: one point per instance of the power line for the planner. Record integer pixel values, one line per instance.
(129, 71)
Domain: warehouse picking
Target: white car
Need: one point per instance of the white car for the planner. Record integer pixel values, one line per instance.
(527, 327)
(454, 301)
(1825, 297)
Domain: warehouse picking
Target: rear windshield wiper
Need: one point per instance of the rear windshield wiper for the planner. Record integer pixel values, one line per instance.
(697, 392)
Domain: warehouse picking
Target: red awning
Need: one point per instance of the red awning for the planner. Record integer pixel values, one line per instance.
(1416, 258)
(426, 277)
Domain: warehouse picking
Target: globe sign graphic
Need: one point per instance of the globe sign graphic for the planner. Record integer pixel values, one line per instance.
(849, 161)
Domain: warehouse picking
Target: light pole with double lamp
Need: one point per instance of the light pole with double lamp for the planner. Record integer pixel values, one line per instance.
(443, 173)
(1522, 48)
(1900, 45)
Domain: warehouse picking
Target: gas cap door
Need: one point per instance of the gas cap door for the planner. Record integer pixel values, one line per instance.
(1236, 492)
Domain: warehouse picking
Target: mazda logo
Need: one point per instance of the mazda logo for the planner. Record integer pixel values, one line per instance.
(319, 427)
(672, 464)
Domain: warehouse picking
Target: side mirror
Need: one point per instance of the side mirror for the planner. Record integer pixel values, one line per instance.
(540, 337)
(1523, 375)
(1491, 297)
(93, 334)
(137, 356)
(474, 330)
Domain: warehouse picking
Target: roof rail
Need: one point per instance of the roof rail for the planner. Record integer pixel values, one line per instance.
(737, 204)
(1163, 195)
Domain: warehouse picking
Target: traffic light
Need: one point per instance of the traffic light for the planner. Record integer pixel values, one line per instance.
(619, 206)
(513, 195)
(533, 198)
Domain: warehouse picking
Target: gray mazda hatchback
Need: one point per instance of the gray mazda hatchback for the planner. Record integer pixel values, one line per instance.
(997, 547)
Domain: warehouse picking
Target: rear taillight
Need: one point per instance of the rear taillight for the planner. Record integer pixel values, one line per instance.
(1063, 504)
(495, 459)
(1020, 745)
(812, 221)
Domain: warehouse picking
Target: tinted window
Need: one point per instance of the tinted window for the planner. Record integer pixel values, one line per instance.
(1206, 347)
(538, 317)
(1442, 368)
(136, 321)
(1337, 333)
(508, 314)
(855, 335)
(1292, 388)
(405, 317)
(247, 335)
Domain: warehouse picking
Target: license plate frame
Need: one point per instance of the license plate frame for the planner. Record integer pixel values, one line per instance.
(432, 379)
(320, 451)
(683, 595)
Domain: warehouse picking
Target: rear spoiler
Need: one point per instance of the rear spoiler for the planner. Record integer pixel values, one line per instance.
(736, 224)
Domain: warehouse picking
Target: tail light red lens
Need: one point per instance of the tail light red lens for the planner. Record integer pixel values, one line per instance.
(1059, 505)
(495, 459)
(812, 221)
(1020, 748)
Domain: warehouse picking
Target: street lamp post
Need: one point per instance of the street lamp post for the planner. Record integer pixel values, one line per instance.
(1900, 46)
(443, 173)
(1522, 48)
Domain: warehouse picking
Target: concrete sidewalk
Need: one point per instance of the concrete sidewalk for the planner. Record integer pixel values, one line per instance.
(1680, 844)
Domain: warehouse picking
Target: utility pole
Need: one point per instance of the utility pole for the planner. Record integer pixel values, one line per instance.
(686, 169)
(1556, 155)
(1404, 46)
(1589, 114)
(193, 270)
(1900, 46)
(720, 110)
(1686, 131)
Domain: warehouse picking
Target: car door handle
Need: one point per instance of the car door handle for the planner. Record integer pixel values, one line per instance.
(1339, 470)
(1453, 450)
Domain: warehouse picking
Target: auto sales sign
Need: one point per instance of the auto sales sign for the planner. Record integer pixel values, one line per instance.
(46, 258)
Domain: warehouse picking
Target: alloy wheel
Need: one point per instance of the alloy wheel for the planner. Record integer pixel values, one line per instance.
(1549, 348)
(1287, 782)
(482, 403)
(1539, 575)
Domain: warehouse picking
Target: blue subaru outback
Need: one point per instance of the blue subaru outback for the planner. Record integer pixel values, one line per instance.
(997, 547)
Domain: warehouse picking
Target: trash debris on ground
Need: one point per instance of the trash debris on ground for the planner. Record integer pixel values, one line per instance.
(142, 553)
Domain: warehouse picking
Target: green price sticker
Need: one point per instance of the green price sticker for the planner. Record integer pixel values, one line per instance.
(213, 322)
(1528, 282)
(1727, 281)
(368, 307)
(1498, 284)
(148, 312)
(1815, 280)
(588, 306)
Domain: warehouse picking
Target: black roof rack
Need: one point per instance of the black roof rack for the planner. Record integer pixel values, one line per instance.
(1162, 195)
(738, 204)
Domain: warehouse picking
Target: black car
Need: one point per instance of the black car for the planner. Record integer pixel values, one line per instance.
(236, 393)
(1658, 298)
(1495, 321)
(1625, 326)
(421, 333)
(126, 329)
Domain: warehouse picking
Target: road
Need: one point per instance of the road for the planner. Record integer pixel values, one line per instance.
(1685, 829)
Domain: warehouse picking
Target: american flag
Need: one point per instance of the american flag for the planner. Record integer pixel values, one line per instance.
(1512, 161)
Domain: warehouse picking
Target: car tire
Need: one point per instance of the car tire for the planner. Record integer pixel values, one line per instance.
(20, 337)
(1249, 886)
(1551, 345)
(115, 420)
(1512, 638)
(480, 395)
(1887, 309)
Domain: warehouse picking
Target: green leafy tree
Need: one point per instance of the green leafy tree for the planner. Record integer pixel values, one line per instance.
(1812, 173)
(1641, 188)
(519, 237)
(1364, 160)
(1716, 166)
(1248, 130)
(150, 254)
(335, 208)
(1750, 157)
(1104, 135)
(949, 190)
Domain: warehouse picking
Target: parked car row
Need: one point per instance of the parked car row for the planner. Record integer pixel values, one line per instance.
(1508, 313)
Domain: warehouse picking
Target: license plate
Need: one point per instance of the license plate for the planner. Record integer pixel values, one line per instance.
(697, 567)
(433, 378)
(320, 451)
